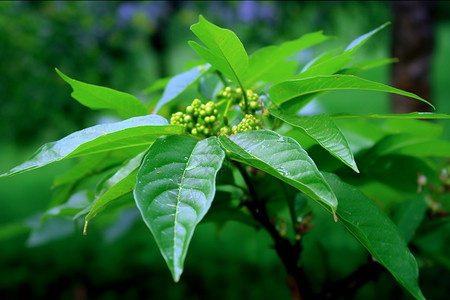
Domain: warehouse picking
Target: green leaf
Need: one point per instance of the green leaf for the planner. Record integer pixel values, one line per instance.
(398, 171)
(174, 190)
(377, 233)
(224, 51)
(290, 89)
(283, 158)
(120, 183)
(358, 42)
(53, 228)
(179, 83)
(98, 97)
(282, 71)
(367, 65)
(90, 165)
(158, 85)
(412, 115)
(408, 144)
(135, 132)
(263, 62)
(324, 130)
(327, 64)
(76, 203)
(409, 214)
(325, 56)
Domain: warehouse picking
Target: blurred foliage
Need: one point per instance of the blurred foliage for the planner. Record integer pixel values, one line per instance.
(127, 46)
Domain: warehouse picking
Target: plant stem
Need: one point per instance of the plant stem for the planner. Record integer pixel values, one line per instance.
(225, 83)
(291, 204)
(288, 253)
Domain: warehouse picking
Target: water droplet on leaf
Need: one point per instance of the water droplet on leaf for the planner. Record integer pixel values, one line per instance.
(283, 171)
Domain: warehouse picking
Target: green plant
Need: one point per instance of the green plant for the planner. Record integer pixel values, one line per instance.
(241, 143)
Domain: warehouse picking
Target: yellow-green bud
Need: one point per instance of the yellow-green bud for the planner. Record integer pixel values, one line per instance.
(189, 109)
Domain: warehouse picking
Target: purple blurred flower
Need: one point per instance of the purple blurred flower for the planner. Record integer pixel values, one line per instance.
(248, 11)
(251, 11)
(126, 12)
(157, 10)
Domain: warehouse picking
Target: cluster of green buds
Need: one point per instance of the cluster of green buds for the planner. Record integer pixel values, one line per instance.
(199, 119)
(254, 103)
(235, 94)
(249, 122)
(237, 98)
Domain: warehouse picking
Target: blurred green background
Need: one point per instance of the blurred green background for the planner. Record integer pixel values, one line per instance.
(127, 46)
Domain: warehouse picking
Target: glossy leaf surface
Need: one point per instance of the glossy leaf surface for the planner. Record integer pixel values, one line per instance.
(134, 132)
(377, 233)
(99, 97)
(224, 51)
(174, 190)
(119, 184)
(179, 83)
(281, 157)
(324, 131)
(290, 89)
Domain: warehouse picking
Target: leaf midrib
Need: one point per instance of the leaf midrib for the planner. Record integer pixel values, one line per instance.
(321, 89)
(119, 139)
(183, 176)
(351, 164)
(291, 179)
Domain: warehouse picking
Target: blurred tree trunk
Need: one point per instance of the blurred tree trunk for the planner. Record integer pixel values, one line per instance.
(412, 45)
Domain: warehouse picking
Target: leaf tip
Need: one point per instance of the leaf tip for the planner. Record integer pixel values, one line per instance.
(85, 228)
(176, 273)
(335, 217)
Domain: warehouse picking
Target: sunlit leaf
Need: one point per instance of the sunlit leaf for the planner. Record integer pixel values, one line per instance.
(290, 89)
(326, 66)
(179, 83)
(135, 132)
(224, 51)
(281, 157)
(263, 62)
(367, 65)
(174, 190)
(358, 42)
(324, 130)
(98, 97)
